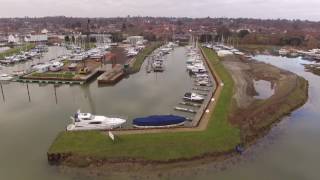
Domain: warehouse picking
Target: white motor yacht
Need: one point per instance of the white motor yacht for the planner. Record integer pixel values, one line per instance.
(201, 75)
(283, 52)
(88, 121)
(132, 52)
(5, 77)
(56, 66)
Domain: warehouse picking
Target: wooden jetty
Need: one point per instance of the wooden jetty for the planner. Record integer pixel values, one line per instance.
(202, 85)
(200, 89)
(111, 77)
(203, 94)
(190, 104)
(185, 110)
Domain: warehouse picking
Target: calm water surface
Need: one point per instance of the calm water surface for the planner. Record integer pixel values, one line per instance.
(28, 125)
(264, 89)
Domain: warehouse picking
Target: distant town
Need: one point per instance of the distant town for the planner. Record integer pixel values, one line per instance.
(243, 31)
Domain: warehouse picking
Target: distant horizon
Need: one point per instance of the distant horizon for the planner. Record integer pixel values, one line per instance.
(256, 9)
(177, 17)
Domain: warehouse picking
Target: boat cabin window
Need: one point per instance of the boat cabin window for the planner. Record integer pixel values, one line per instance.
(98, 122)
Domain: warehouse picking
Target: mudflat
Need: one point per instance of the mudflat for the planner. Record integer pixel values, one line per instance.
(255, 116)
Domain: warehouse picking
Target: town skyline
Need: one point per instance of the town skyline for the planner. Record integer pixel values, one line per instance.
(302, 10)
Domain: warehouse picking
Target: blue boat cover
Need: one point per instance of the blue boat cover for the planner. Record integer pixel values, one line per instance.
(159, 120)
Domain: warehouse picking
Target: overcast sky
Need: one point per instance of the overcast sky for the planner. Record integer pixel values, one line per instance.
(289, 9)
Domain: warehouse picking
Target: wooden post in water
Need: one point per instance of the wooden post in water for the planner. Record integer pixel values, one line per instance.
(28, 92)
(4, 100)
(55, 94)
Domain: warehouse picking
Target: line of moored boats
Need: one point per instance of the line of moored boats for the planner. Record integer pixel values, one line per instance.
(313, 54)
(197, 69)
(156, 60)
(87, 121)
(24, 55)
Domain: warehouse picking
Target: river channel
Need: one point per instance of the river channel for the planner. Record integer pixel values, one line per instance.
(32, 115)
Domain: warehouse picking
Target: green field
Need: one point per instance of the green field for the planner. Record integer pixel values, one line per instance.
(16, 50)
(219, 136)
(143, 54)
(64, 75)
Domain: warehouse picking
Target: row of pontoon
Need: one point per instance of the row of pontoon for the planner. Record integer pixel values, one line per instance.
(155, 61)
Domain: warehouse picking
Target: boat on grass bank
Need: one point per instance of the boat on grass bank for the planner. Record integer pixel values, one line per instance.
(88, 121)
(159, 121)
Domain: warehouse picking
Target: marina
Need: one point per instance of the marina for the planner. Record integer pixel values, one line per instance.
(190, 112)
(171, 68)
(131, 98)
(159, 90)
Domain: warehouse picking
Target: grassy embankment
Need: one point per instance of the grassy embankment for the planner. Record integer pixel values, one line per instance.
(64, 75)
(219, 136)
(139, 59)
(16, 50)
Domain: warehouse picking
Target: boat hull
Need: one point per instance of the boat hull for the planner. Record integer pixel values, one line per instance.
(73, 127)
(163, 121)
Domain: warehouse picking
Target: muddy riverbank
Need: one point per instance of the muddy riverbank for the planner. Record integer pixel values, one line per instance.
(254, 116)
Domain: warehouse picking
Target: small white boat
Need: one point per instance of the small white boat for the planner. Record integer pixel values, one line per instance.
(203, 79)
(283, 52)
(132, 52)
(56, 66)
(203, 83)
(88, 121)
(158, 66)
(201, 75)
(193, 97)
(5, 77)
(18, 73)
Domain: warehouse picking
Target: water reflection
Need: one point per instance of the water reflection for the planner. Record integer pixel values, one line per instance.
(33, 114)
(265, 89)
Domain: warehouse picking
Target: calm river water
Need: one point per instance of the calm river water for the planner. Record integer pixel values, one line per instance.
(28, 126)
(289, 151)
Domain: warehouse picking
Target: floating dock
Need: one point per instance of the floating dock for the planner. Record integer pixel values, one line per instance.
(185, 110)
(112, 76)
(190, 104)
(200, 89)
(48, 81)
(200, 85)
(203, 94)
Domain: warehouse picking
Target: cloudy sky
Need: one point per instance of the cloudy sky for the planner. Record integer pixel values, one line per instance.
(289, 9)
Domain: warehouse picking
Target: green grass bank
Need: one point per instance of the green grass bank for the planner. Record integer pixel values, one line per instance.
(139, 59)
(16, 50)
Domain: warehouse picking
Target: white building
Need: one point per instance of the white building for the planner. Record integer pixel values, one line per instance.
(37, 38)
(134, 40)
(13, 39)
(44, 31)
(102, 38)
